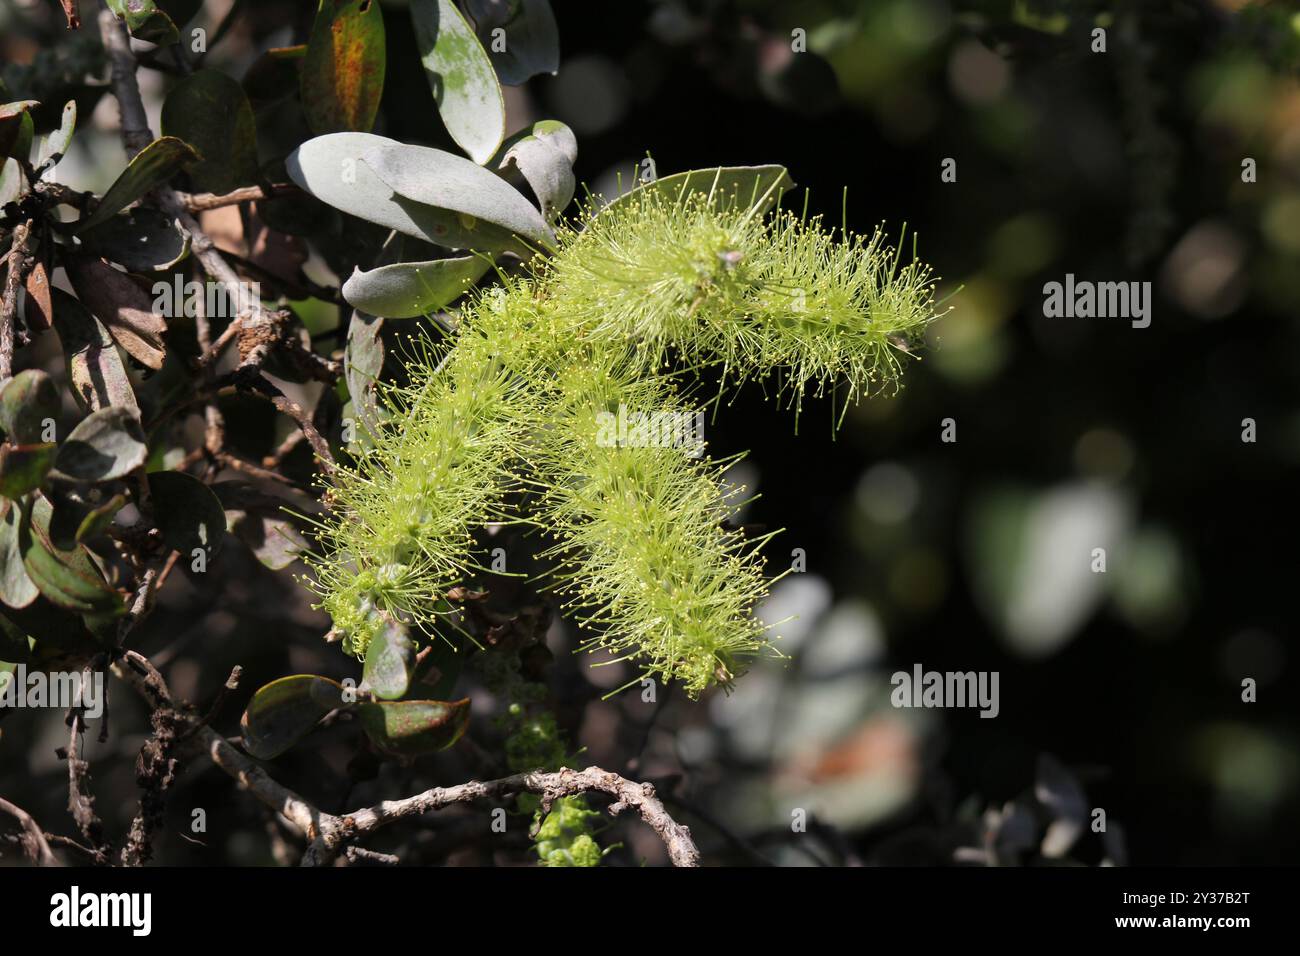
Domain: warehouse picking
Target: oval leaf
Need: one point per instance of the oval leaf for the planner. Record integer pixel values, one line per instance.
(16, 588)
(409, 728)
(142, 239)
(95, 370)
(27, 402)
(68, 578)
(478, 210)
(407, 289)
(531, 39)
(123, 307)
(284, 711)
(544, 155)
(105, 445)
(189, 515)
(387, 668)
(342, 77)
(152, 166)
(24, 467)
(463, 81)
(209, 110)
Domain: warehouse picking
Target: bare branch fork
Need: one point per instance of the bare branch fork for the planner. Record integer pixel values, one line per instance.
(329, 835)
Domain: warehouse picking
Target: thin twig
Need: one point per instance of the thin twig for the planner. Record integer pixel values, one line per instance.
(38, 849)
(202, 202)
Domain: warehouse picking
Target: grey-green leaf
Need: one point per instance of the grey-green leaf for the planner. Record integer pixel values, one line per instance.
(387, 669)
(407, 289)
(107, 444)
(544, 154)
(461, 77)
(477, 210)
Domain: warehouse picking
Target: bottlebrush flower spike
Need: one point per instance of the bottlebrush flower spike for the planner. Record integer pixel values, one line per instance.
(505, 422)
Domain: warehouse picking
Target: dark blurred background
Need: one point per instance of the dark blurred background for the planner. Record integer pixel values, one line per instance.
(1119, 690)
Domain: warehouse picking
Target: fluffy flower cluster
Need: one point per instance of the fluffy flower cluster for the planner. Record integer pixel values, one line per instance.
(504, 422)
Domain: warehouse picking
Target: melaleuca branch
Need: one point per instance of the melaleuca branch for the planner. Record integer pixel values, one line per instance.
(328, 834)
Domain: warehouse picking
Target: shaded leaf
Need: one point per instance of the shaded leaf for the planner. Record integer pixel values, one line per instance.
(363, 360)
(62, 640)
(27, 401)
(68, 578)
(407, 289)
(77, 517)
(24, 467)
(188, 513)
(142, 239)
(123, 307)
(544, 154)
(342, 76)
(16, 128)
(763, 185)
(262, 522)
(209, 110)
(387, 669)
(95, 370)
(16, 588)
(152, 166)
(461, 77)
(531, 38)
(476, 209)
(106, 444)
(409, 728)
(284, 711)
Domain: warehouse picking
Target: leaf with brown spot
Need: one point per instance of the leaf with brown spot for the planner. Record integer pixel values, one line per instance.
(342, 76)
(125, 309)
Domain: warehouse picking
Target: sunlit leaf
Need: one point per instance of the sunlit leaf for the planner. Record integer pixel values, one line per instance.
(407, 289)
(464, 84)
